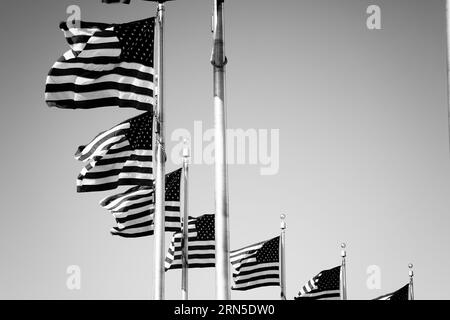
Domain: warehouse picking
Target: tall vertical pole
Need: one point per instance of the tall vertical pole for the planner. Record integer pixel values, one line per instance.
(218, 61)
(448, 59)
(343, 273)
(411, 284)
(185, 252)
(282, 257)
(159, 166)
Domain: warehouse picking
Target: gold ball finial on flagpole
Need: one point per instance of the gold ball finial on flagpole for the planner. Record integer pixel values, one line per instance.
(343, 251)
(186, 151)
(411, 272)
(283, 221)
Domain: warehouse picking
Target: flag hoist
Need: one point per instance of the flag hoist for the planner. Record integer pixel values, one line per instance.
(411, 282)
(282, 257)
(219, 61)
(185, 219)
(160, 159)
(343, 280)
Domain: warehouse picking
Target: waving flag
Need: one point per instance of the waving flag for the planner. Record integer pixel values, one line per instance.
(257, 265)
(324, 286)
(201, 244)
(134, 209)
(108, 65)
(122, 155)
(400, 294)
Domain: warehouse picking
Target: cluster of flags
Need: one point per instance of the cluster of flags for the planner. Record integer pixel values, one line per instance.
(112, 65)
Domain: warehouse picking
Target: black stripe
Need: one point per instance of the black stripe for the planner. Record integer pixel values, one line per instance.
(256, 278)
(120, 71)
(137, 157)
(115, 172)
(114, 185)
(120, 150)
(267, 284)
(94, 147)
(86, 25)
(172, 208)
(247, 272)
(135, 206)
(102, 46)
(132, 235)
(78, 39)
(100, 103)
(124, 87)
(135, 216)
(197, 247)
(194, 265)
(318, 297)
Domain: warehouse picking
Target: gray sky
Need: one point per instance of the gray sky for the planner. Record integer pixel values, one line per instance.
(364, 150)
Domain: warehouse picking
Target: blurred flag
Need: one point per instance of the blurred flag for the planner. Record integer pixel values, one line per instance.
(400, 294)
(256, 265)
(134, 209)
(108, 65)
(122, 155)
(324, 286)
(201, 244)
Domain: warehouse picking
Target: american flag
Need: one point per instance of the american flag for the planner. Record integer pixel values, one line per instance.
(201, 244)
(108, 65)
(400, 294)
(324, 286)
(122, 155)
(134, 209)
(256, 265)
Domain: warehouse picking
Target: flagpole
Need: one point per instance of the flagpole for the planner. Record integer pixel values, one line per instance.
(160, 162)
(411, 283)
(448, 59)
(184, 255)
(343, 281)
(219, 61)
(282, 257)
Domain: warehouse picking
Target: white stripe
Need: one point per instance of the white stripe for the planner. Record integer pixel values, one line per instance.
(103, 67)
(122, 206)
(102, 135)
(172, 203)
(249, 277)
(150, 209)
(116, 78)
(133, 222)
(134, 230)
(80, 32)
(100, 150)
(113, 179)
(241, 253)
(100, 94)
(120, 145)
(97, 40)
(123, 200)
(256, 282)
(99, 53)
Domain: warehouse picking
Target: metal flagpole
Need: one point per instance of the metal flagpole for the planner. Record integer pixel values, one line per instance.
(343, 281)
(160, 162)
(448, 59)
(219, 61)
(184, 256)
(282, 257)
(411, 284)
